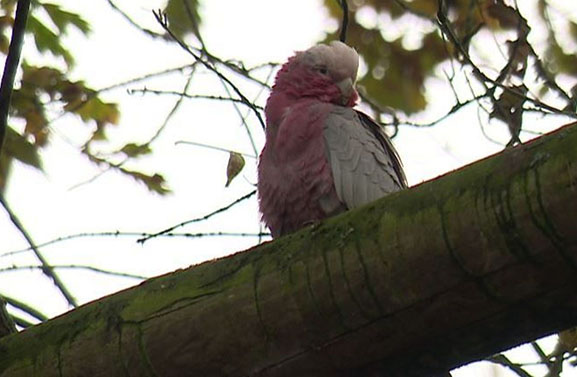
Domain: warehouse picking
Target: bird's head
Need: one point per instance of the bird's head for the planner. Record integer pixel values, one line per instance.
(326, 71)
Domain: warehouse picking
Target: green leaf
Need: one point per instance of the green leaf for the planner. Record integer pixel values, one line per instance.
(46, 40)
(94, 109)
(558, 61)
(155, 183)
(135, 150)
(62, 19)
(21, 149)
(183, 17)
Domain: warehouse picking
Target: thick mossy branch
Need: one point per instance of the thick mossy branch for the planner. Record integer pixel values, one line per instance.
(447, 272)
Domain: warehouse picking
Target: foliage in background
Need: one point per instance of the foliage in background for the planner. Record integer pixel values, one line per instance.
(398, 65)
(46, 93)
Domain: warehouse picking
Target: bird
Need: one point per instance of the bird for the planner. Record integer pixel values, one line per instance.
(321, 156)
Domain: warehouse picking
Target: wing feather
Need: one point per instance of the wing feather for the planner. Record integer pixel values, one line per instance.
(364, 163)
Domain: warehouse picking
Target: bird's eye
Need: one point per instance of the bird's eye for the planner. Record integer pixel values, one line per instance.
(323, 70)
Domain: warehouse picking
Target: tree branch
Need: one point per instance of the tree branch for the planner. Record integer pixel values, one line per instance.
(46, 269)
(345, 22)
(414, 284)
(198, 219)
(11, 64)
(164, 23)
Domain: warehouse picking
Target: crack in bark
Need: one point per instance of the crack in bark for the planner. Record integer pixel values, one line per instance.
(366, 275)
(478, 279)
(350, 290)
(545, 224)
(500, 202)
(144, 355)
(256, 276)
(331, 290)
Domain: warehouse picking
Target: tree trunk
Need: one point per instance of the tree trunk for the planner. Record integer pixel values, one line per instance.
(428, 279)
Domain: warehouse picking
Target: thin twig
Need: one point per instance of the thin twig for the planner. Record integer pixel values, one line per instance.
(130, 234)
(74, 236)
(501, 359)
(148, 32)
(26, 308)
(172, 111)
(75, 267)
(161, 19)
(191, 96)
(242, 119)
(145, 77)
(215, 148)
(443, 23)
(458, 106)
(198, 219)
(219, 234)
(345, 23)
(11, 64)
(21, 322)
(245, 116)
(46, 269)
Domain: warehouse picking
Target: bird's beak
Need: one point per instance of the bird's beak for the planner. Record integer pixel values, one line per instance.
(347, 88)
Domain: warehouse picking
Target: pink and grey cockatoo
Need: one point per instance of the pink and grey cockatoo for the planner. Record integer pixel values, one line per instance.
(321, 156)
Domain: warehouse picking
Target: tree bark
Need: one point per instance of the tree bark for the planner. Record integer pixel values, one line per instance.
(424, 280)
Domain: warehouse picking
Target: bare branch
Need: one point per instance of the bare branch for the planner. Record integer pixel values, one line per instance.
(74, 236)
(191, 96)
(215, 148)
(46, 269)
(501, 359)
(132, 234)
(146, 31)
(198, 219)
(345, 23)
(26, 308)
(76, 267)
(445, 27)
(161, 19)
(11, 64)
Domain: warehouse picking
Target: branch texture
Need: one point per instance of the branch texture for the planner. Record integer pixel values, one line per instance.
(417, 283)
(11, 64)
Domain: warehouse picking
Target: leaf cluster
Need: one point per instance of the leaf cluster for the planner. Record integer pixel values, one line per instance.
(46, 93)
(458, 33)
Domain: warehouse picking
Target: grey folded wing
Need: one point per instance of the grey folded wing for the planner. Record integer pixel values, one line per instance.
(364, 163)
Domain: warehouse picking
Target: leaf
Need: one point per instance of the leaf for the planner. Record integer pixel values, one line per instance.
(44, 78)
(235, 164)
(558, 61)
(46, 40)
(183, 17)
(134, 150)
(36, 123)
(507, 17)
(155, 183)
(519, 51)
(16, 146)
(508, 108)
(94, 109)
(63, 19)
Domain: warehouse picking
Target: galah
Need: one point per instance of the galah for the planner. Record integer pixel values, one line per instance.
(321, 157)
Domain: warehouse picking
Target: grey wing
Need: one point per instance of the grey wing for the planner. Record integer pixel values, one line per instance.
(363, 161)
